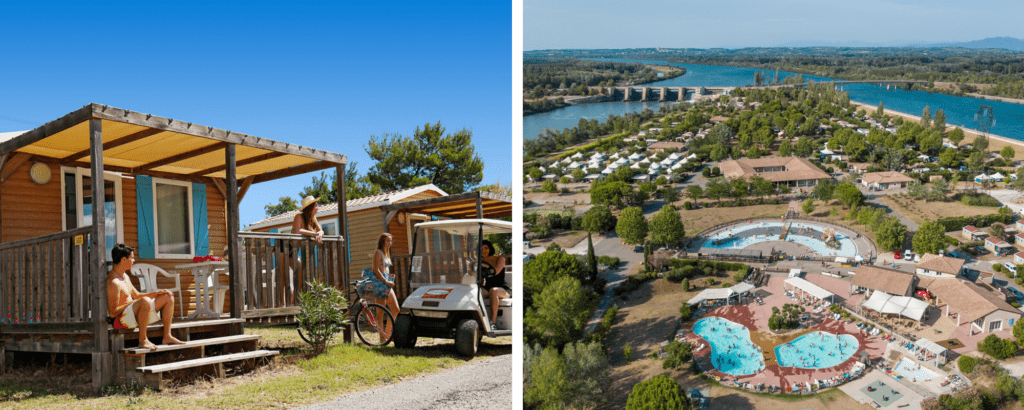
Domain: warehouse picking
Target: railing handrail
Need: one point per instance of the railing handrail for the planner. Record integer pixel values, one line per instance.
(45, 238)
(271, 235)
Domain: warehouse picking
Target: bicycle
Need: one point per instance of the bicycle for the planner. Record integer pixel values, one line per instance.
(374, 324)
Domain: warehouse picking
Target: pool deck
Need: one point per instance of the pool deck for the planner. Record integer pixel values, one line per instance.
(755, 316)
(854, 389)
(864, 246)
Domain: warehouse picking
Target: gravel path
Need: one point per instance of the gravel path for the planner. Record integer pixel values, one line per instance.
(481, 385)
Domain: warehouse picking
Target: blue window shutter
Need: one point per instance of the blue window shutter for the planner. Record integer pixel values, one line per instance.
(202, 230)
(144, 218)
(274, 255)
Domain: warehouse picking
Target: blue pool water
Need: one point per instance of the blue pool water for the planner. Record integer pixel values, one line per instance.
(734, 238)
(912, 370)
(730, 341)
(828, 350)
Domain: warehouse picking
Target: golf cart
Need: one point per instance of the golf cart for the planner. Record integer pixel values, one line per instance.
(445, 277)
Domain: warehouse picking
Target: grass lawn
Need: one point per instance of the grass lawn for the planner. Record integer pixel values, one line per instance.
(292, 379)
(920, 211)
(697, 220)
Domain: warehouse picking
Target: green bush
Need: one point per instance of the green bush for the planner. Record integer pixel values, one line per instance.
(686, 284)
(633, 282)
(998, 348)
(687, 205)
(610, 261)
(320, 314)
(738, 277)
(997, 267)
(677, 354)
(966, 364)
(659, 392)
(979, 200)
(685, 312)
(627, 352)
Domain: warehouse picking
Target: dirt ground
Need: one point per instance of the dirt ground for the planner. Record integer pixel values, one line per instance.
(921, 211)
(566, 199)
(650, 316)
(564, 239)
(697, 220)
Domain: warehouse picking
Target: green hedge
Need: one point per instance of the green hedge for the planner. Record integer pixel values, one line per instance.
(610, 261)
(633, 282)
(956, 223)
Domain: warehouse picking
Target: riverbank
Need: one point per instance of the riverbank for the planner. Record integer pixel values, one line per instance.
(995, 142)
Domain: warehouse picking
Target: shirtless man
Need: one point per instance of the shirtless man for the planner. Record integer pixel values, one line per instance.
(129, 308)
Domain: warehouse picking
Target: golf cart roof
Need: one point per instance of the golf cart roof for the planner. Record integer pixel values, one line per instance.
(463, 226)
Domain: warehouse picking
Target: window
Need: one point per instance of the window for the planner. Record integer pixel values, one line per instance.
(995, 325)
(76, 186)
(330, 228)
(173, 227)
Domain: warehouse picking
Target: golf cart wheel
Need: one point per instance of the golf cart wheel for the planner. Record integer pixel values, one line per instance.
(466, 338)
(405, 335)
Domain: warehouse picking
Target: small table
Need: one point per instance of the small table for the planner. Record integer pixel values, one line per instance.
(209, 291)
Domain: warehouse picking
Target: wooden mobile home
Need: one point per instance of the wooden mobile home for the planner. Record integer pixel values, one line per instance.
(171, 190)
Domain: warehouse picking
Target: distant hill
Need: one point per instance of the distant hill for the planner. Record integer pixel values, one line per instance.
(1008, 43)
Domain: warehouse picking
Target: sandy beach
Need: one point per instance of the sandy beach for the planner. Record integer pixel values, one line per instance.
(995, 142)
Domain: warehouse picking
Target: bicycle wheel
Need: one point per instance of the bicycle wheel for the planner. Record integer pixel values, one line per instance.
(375, 324)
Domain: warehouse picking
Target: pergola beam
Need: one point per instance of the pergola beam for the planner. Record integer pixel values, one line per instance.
(183, 156)
(187, 128)
(19, 159)
(247, 161)
(296, 170)
(130, 138)
(49, 129)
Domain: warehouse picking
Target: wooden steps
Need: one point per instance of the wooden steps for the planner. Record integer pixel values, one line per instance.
(210, 345)
(193, 343)
(160, 368)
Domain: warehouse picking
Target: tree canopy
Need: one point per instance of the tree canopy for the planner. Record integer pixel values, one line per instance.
(562, 310)
(632, 227)
(929, 238)
(428, 156)
(891, 234)
(549, 267)
(657, 393)
(666, 226)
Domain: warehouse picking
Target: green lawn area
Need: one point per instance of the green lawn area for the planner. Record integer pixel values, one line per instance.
(292, 379)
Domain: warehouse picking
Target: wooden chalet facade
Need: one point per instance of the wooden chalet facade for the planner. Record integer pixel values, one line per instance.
(171, 190)
(364, 222)
(396, 212)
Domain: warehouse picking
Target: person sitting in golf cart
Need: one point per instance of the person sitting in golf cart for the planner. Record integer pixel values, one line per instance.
(494, 287)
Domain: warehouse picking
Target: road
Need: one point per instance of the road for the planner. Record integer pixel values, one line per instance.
(628, 259)
(480, 385)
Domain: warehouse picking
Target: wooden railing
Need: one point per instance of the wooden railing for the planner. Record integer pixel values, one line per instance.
(276, 268)
(46, 280)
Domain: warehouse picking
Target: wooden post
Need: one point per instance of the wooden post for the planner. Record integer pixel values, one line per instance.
(97, 260)
(479, 207)
(343, 226)
(235, 287)
(343, 231)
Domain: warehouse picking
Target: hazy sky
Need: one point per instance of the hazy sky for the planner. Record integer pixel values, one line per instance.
(558, 24)
(326, 75)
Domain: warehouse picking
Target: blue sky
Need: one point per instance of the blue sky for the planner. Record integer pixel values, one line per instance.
(323, 75)
(563, 24)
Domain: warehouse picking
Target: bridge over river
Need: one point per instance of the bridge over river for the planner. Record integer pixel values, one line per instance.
(640, 93)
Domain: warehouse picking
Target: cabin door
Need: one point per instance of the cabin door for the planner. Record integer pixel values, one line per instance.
(77, 189)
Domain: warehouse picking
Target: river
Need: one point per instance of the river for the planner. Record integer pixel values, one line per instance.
(960, 111)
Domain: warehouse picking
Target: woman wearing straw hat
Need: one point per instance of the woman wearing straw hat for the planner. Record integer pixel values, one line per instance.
(305, 223)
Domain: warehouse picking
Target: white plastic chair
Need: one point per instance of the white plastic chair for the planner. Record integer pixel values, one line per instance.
(147, 275)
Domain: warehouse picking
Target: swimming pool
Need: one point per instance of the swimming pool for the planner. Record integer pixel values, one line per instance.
(816, 350)
(912, 370)
(741, 236)
(732, 352)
